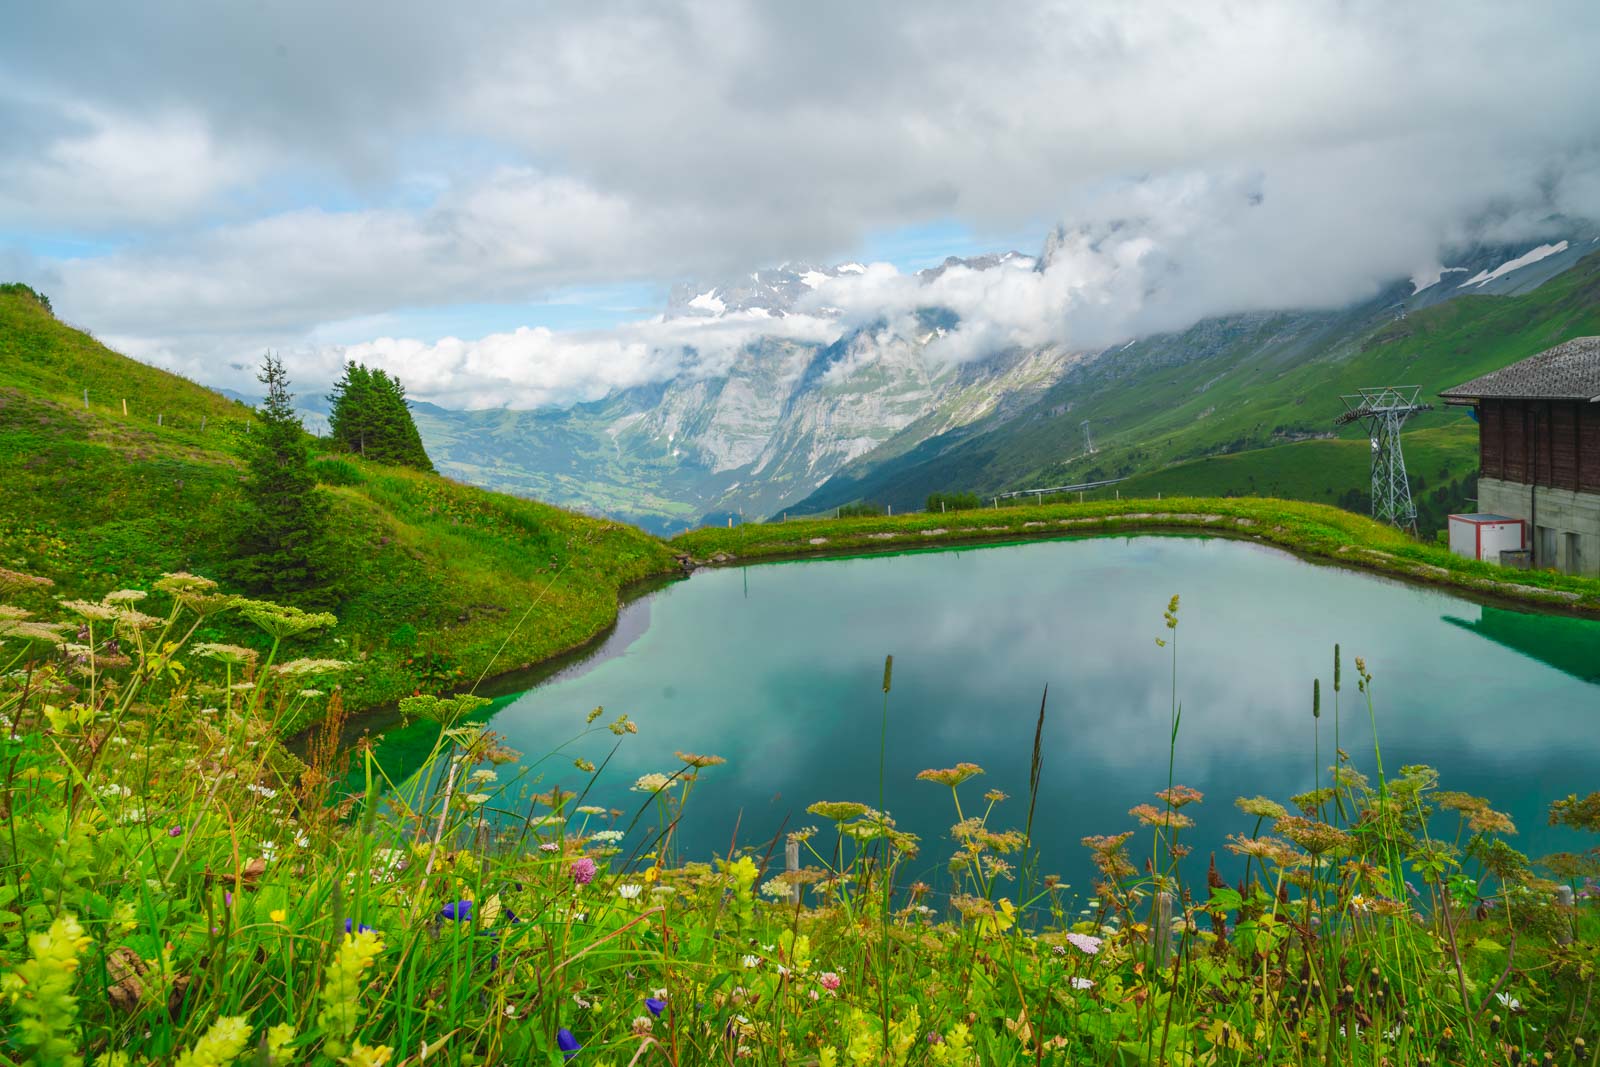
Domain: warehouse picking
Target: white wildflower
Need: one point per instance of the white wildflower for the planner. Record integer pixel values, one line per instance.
(651, 783)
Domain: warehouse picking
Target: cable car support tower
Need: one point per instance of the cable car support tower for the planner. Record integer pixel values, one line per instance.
(1383, 411)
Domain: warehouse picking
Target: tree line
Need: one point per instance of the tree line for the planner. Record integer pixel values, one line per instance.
(282, 546)
(372, 419)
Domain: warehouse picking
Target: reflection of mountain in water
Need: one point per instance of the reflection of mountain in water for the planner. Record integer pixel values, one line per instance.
(1570, 645)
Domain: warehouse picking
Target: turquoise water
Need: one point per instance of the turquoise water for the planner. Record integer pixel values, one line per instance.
(779, 668)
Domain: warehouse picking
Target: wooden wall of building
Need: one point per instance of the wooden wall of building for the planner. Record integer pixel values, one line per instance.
(1554, 443)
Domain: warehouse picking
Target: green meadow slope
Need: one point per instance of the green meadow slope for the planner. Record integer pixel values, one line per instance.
(435, 574)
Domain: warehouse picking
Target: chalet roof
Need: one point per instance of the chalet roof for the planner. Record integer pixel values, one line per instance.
(1569, 371)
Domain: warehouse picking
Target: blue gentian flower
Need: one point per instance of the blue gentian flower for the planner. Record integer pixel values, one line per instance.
(656, 1005)
(458, 911)
(567, 1043)
(352, 927)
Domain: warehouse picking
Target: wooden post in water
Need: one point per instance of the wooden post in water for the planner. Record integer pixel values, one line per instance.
(791, 863)
(1163, 931)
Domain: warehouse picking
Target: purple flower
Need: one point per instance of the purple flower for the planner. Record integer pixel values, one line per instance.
(176, 831)
(458, 911)
(583, 870)
(656, 1005)
(567, 1043)
(227, 898)
(359, 928)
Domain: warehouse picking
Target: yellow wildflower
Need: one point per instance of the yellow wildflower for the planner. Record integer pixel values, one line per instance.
(341, 988)
(220, 1045)
(367, 1055)
(41, 990)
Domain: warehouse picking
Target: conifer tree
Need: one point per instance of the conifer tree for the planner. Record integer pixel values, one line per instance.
(372, 418)
(282, 535)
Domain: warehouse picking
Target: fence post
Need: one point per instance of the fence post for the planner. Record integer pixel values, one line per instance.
(1565, 899)
(160, 417)
(791, 863)
(941, 507)
(730, 522)
(1163, 931)
(1080, 496)
(124, 405)
(202, 424)
(891, 509)
(86, 400)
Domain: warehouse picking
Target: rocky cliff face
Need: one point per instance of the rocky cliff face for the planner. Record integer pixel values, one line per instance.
(778, 424)
(762, 434)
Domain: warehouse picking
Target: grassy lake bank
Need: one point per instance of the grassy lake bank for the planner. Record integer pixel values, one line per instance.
(1315, 531)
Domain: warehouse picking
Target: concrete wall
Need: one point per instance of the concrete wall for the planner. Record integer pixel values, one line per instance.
(1560, 512)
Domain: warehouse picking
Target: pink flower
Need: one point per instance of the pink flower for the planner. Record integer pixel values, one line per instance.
(829, 980)
(1085, 943)
(582, 870)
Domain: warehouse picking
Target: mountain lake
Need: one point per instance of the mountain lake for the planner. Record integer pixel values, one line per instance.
(778, 667)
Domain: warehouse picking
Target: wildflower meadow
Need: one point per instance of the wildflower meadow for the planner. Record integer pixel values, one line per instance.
(183, 886)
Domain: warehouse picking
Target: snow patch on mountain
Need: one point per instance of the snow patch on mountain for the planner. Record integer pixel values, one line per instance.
(707, 301)
(1428, 277)
(1484, 277)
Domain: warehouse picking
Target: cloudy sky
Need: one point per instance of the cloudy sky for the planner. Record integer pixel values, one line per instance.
(496, 204)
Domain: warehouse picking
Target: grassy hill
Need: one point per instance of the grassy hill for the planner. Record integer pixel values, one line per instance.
(1442, 462)
(436, 574)
(1239, 384)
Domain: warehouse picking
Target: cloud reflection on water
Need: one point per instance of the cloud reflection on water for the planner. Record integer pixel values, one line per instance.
(785, 682)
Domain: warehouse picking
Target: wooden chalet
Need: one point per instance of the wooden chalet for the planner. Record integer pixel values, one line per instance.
(1539, 450)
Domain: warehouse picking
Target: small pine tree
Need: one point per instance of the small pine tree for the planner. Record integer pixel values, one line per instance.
(372, 418)
(282, 535)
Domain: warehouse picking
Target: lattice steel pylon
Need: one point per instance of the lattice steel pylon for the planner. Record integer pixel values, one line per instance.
(1383, 411)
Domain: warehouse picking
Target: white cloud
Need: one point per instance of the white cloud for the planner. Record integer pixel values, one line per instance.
(278, 168)
(104, 169)
(536, 367)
